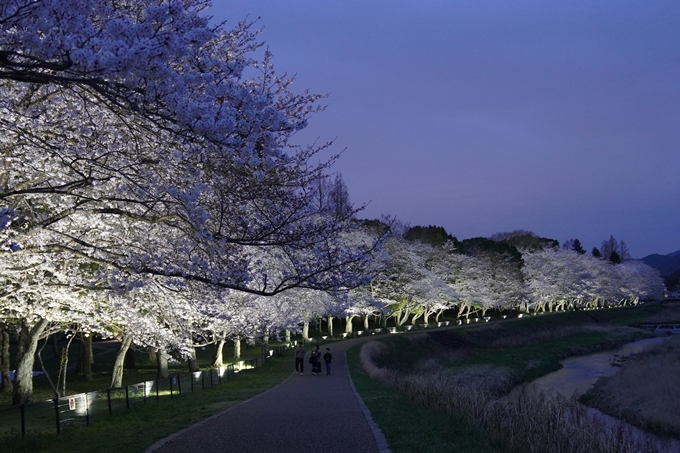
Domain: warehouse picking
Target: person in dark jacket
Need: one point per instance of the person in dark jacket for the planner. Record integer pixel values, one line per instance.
(315, 360)
(300, 358)
(328, 358)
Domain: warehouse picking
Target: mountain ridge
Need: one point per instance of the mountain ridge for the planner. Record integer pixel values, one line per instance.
(665, 264)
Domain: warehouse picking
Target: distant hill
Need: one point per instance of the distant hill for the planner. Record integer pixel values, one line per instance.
(665, 264)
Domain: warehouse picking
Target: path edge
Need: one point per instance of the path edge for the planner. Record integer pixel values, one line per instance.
(380, 440)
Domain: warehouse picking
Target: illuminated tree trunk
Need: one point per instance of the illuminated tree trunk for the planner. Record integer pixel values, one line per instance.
(305, 330)
(22, 391)
(162, 368)
(439, 314)
(192, 361)
(219, 355)
(119, 363)
(348, 324)
(401, 317)
(237, 347)
(153, 357)
(330, 325)
(426, 316)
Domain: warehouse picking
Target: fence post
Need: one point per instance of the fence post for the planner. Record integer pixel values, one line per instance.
(23, 421)
(127, 396)
(179, 384)
(108, 397)
(203, 380)
(170, 378)
(56, 412)
(87, 411)
(156, 390)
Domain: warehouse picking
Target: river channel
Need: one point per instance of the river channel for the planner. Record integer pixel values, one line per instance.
(580, 373)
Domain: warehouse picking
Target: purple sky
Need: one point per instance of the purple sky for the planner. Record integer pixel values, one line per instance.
(562, 118)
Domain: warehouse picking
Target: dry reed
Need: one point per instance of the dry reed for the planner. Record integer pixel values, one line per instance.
(527, 424)
(645, 391)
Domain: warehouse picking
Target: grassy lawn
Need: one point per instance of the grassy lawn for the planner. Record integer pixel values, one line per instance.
(104, 355)
(137, 429)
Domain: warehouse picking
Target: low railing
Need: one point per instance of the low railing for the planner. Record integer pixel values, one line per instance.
(84, 409)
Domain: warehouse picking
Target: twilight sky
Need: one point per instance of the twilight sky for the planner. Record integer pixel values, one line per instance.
(560, 117)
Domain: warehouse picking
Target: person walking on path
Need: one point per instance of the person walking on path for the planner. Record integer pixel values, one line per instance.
(300, 358)
(314, 358)
(328, 358)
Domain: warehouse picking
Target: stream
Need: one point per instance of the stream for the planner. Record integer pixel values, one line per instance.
(580, 373)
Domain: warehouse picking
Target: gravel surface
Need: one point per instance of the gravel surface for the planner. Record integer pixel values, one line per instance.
(303, 414)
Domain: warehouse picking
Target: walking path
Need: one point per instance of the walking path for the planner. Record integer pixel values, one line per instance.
(303, 414)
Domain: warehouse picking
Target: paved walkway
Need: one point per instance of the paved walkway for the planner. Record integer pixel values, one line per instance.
(303, 414)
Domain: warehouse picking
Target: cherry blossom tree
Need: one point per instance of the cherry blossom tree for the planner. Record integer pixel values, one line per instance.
(562, 279)
(141, 140)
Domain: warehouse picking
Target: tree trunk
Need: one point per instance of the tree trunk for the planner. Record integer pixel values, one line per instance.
(162, 368)
(401, 316)
(4, 360)
(461, 310)
(153, 357)
(87, 356)
(192, 361)
(237, 347)
(415, 317)
(287, 334)
(130, 360)
(219, 355)
(118, 364)
(348, 324)
(366, 322)
(54, 342)
(383, 320)
(305, 330)
(330, 325)
(64, 367)
(25, 358)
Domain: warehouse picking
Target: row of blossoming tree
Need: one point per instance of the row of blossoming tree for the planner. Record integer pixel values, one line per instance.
(417, 278)
(149, 188)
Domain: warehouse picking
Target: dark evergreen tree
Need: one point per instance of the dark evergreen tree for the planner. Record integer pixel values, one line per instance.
(577, 247)
(525, 240)
(433, 235)
(476, 246)
(596, 253)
